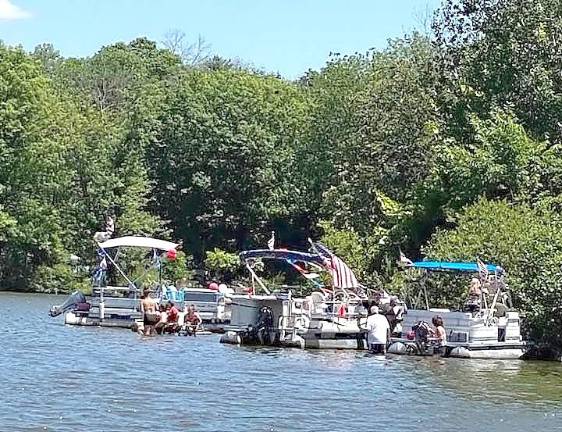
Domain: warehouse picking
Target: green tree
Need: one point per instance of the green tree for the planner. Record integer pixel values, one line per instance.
(527, 243)
(223, 160)
(371, 141)
(501, 53)
(58, 177)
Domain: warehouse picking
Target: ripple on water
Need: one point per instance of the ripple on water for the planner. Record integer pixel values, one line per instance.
(73, 378)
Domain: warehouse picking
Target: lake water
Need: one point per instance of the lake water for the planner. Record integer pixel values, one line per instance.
(61, 378)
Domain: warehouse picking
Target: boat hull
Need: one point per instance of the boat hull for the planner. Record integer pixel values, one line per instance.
(480, 351)
(72, 318)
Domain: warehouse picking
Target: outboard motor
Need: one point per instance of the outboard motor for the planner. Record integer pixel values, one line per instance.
(73, 300)
(422, 331)
(264, 325)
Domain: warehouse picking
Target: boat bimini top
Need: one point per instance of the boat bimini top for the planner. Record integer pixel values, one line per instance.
(283, 255)
(140, 242)
(490, 276)
(467, 267)
(156, 245)
(319, 258)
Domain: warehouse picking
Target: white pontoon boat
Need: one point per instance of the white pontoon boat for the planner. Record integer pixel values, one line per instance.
(487, 327)
(113, 306)
(327, 318)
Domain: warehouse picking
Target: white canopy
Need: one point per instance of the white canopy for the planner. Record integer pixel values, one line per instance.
(141, 242)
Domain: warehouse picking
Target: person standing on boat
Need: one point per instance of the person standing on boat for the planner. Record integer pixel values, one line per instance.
(378, 331)
(474, 296)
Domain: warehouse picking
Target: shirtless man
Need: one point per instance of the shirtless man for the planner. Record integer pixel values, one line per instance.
(149, 309)
(474, 296)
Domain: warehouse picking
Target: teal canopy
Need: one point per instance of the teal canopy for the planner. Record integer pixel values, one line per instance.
(467, 267)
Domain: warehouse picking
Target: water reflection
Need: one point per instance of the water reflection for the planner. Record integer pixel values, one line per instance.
(498, 380)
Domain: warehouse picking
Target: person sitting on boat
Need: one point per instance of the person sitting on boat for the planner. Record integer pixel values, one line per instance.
(173, 315)
(173, 312)
(192, 319)
(149, 309)
(439, 332)
(378, 331)
(474, 296)
(161, 325)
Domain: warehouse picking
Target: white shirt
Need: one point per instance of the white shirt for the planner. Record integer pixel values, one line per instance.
(377, 327)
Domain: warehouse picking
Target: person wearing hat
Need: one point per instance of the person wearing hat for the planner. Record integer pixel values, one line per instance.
(378, 331)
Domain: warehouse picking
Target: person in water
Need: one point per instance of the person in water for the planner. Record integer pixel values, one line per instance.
(163, 322)
(172, 312)
(149, 309)
(378, 331)
(394, 315)
(439, 331)
(192, 319)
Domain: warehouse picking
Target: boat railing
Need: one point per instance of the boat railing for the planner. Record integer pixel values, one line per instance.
(337, 309)
(111, 291)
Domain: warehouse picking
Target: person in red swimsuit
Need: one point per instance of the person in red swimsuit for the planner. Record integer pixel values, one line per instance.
(192, 320)
(173, 315)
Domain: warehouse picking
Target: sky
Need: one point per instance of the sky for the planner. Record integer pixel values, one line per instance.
(284, 36)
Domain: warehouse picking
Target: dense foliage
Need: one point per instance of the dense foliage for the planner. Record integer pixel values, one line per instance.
(444, 145)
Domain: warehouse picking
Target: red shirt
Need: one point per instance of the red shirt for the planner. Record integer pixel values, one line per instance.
(173, 314)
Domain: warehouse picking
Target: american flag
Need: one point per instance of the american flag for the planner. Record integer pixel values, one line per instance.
(482, 268)
(342, 275)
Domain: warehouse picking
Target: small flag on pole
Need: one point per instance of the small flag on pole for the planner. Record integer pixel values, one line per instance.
(404, 260)
(271, 242)
(482, 268)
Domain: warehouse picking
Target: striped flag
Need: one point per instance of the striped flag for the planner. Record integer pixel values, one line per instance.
(482, 268)
(342, 275)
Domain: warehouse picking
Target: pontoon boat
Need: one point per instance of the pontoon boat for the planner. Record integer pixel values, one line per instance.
(487, 327)
(327, 318)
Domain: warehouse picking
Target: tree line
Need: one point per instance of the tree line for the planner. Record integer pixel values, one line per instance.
(445, 144)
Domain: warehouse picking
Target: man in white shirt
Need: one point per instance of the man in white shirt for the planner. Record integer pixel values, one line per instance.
(378, 331)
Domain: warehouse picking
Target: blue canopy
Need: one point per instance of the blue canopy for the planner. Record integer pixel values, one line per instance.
(454, 266)
(283, 254)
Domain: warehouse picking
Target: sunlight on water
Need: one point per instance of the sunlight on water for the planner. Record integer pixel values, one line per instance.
(61, 378)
